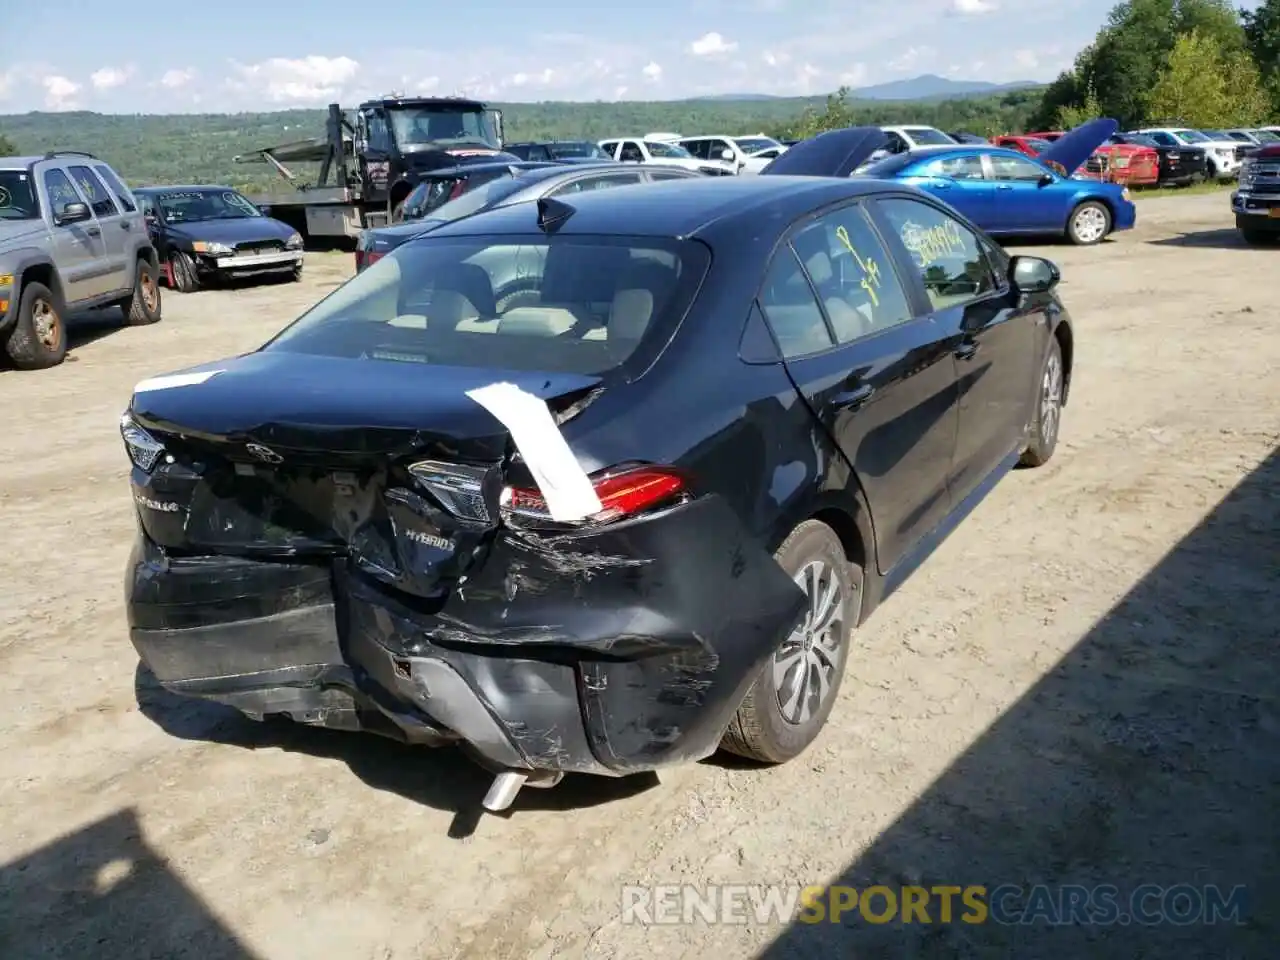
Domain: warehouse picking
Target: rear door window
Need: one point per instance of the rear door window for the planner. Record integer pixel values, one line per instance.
(114, 184)
(957, 168)
(599, 182)
(791, 309)
(99, 200)
(561, 304)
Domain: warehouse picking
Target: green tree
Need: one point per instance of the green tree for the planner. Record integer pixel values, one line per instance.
(1070, 117)
(7, 149)
(1205, 85)
(1262, 34)
(1131, 51)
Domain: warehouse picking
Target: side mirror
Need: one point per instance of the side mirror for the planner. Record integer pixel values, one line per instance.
(73, 213)
(726, 154)
(1045, 179)
(1033, 275)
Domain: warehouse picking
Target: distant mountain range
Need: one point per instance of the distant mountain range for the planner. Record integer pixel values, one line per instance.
(925, 87)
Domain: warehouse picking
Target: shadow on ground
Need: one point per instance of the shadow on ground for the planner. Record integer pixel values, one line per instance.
(1225, 239)
(444, 778)
(103, 892)
(1150, 754)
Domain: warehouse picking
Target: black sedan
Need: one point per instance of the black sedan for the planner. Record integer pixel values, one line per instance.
(514, 183)
(209, 232)
(599, 483)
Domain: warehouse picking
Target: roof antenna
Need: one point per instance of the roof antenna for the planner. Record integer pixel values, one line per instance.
(552, 213)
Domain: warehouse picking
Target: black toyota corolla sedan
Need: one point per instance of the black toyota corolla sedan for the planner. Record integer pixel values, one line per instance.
(595, 484)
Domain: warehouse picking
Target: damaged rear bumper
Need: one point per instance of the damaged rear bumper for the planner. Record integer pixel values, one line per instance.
(558, 655)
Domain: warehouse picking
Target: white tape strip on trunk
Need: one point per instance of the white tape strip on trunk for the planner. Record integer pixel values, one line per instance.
(561, 480)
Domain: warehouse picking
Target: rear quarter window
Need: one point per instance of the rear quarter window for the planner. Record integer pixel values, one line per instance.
(560, 304)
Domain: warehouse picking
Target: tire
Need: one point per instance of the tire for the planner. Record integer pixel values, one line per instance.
(1048, 420)
(1257, 237)
(142, 307)
(184, 272)
(1089, 223)
(38, 339)
(762, 729)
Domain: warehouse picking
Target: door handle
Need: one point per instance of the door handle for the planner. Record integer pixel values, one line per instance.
(966, 350)
(126, 225)
(852, 399)
(93, 231)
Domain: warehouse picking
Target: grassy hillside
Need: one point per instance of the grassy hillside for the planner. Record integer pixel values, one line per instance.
(189, 148)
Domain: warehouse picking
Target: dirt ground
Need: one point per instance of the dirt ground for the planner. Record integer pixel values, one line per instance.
(1079, 687)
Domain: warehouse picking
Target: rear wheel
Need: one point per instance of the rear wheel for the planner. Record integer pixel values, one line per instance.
(143, 305)
(792, 697)
(1044, 432)
(39, 337)
(1089, 224)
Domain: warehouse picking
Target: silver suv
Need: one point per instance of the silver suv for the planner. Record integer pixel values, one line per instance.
(72, 238)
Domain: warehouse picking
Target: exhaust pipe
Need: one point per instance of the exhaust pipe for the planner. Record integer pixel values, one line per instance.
(505, 786)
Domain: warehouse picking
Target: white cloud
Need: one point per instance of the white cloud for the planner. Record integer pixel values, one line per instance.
(108, 78)
(60, 92)
(619, 92)
(854, 76)
(427, 84)
(542, 79)
(652, 72)
(176, 79)
(911, 58)
(973, 8)
(774, 58)
(1026, 59)
(310, 79)
(712, 45)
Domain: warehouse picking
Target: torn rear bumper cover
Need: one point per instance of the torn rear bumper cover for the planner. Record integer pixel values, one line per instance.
(557, 655)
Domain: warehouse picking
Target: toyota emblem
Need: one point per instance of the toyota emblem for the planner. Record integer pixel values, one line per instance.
(265, 454)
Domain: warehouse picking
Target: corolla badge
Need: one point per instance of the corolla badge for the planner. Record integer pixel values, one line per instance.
(265, 454)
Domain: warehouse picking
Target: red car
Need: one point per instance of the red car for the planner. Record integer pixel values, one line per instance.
(1028, 143)
(1050, 135)
(1127, 163)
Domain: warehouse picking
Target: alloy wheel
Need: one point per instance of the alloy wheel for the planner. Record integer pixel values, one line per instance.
(1051, 399)
(804, 667)
(1091, 224)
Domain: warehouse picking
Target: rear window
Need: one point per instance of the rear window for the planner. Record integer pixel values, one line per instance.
(560, 304)
(927, 136)
(477, 189)
(889, 166)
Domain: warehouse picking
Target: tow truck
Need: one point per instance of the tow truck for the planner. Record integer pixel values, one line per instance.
(371, 158)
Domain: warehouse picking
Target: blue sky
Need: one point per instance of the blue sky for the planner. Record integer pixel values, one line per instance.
(274, 55)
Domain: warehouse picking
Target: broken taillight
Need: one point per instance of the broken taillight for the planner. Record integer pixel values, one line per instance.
(622, 493)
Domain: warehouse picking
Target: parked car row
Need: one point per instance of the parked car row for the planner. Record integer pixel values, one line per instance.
(599, 482)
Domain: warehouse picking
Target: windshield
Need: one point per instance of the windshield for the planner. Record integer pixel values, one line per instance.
(1135, 139)
(576, 148)
(667, 150)
(442, 124)
(1190, 136)
(1036, 144)
(1217, 135)
(927, 136)
(1266, 136)
(558, 304)
(18, 200)
(189, 206)
(755, 144)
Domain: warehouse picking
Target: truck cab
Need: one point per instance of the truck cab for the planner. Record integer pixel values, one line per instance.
(398, 138)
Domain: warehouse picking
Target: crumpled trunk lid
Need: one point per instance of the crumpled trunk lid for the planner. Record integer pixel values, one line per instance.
(282, 455)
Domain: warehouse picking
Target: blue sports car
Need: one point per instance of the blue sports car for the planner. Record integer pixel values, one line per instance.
(1006, 192)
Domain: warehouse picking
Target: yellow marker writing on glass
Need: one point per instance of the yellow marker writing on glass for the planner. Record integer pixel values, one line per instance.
(870, 269)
